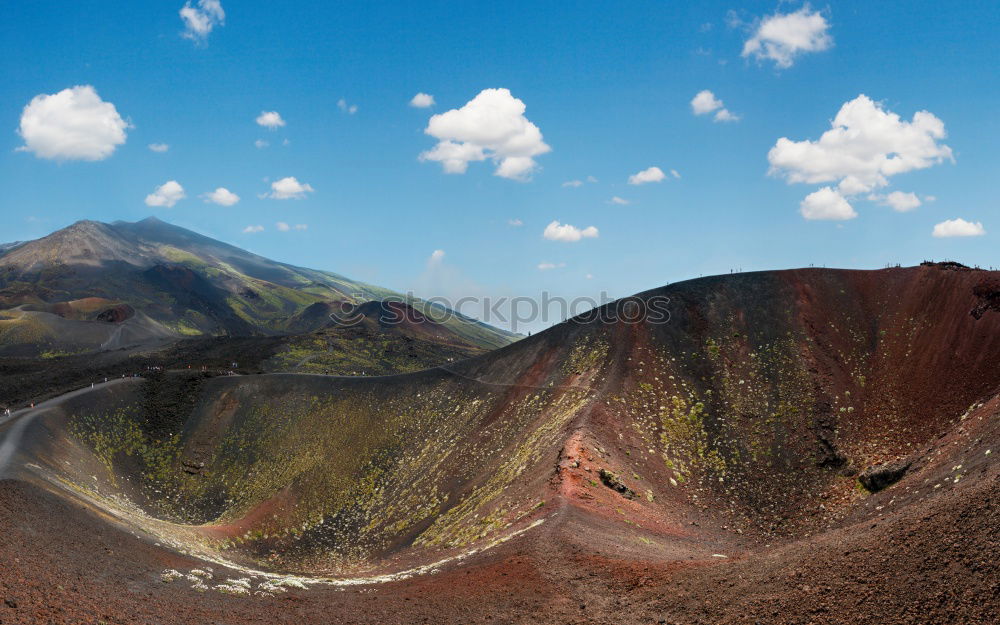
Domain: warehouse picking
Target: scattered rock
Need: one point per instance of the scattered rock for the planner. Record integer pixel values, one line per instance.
(191, 466)
(613, 482)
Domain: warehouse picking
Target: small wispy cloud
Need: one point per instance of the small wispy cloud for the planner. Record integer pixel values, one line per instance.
(705, 102)
(422, 101)
(221, 196)
(166, 195)
(568, 233)
(783, 37)
(270, 119)
(650, 174)
(350, 109)
(899, 201)
(579, 183)
(958, 228)
(200, 19)
(289, 188)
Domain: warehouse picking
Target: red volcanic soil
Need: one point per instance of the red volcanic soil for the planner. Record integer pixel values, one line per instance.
(89, 309)
(711, 473)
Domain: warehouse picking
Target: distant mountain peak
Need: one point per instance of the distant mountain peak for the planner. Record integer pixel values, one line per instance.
(86, 225)
(149, 221)
(84, 242)
(193, 284)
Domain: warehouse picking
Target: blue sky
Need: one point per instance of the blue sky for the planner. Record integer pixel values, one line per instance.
(609, 87)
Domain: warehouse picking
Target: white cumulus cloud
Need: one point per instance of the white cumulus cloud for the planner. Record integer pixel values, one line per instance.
(422, 101)
(490, 126)
(651, 174)
(958, 228)
(898, 200)
(570, 234)
(167, 194)
(827, 203)
(159, 147)
(253, 229)
(784, 36)
(201, 19)
(74, 124)
(289, 189)
(260, 143)
(221, 196)
(705, 102)
(515, 222)
(865, 146)
(548, 266)
(270, 120)
(619, 200)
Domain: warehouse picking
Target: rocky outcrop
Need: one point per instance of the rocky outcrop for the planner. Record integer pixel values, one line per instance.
(882, 476)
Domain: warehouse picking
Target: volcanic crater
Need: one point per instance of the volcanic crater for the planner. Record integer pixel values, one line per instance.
(810, 445)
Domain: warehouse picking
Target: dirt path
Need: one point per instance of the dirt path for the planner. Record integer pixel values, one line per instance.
(13, 426)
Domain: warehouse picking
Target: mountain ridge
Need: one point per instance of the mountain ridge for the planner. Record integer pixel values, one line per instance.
(185, 283)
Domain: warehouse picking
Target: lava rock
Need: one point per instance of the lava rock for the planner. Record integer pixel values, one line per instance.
(882, 476)
(613, 482)
(988, 296)
(192, 467)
